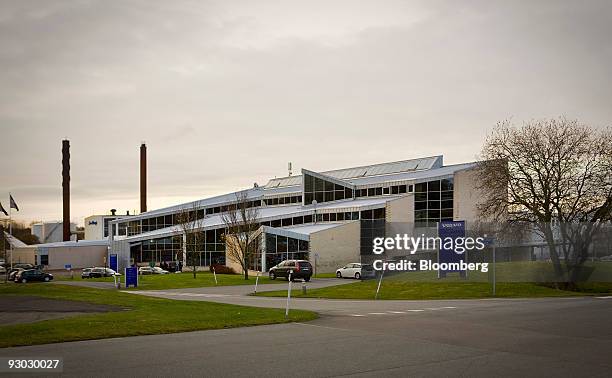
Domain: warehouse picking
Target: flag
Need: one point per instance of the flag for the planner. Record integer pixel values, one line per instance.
(2, 209)
(13, 204)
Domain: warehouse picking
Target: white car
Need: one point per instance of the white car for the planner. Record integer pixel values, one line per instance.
(148, 270)
(352, 270)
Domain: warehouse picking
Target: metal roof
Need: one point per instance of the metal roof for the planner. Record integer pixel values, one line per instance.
(404, 166)
(80, 243)
(308, 229)
(417, 176)
(13, 241)
(406, 170)
(269, 214)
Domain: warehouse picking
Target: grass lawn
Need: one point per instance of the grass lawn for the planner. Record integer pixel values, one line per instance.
(142, 316)
(182, 280)
(419, 285)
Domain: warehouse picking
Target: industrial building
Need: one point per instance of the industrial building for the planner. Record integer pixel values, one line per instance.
(51, 232)
(96, 226)
(329, 218)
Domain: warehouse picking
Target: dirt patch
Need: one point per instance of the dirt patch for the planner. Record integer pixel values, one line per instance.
(28, 309)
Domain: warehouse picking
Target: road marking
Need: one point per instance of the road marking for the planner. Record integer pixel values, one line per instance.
(377, 313)
(415, 310)
(396, 312)
(606, 297)
(356, 315)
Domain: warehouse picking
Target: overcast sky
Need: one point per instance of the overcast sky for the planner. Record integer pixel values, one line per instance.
(225, 93)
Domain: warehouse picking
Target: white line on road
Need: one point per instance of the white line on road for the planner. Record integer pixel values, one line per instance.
(377, 313)
(607, 297)
(415, 310)
(356, 315)
(396, 312)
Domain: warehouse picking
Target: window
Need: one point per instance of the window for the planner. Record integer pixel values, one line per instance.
(324, 191)
(433, 201)
(44, 259)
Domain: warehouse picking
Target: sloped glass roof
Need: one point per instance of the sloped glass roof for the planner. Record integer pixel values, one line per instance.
(366, 171)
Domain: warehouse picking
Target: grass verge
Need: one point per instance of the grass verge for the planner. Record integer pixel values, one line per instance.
(142, 316)
(181, 280)
(398, 288)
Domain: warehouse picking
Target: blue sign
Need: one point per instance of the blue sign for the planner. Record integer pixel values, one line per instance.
(452, 230)
(68, 266)
(113, 262)
(131, 277)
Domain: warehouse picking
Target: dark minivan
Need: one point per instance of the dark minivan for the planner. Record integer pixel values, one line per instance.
(301, 270)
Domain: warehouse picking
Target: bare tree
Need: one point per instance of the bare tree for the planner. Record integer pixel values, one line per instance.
(555, 175)
(189, 219)
(242, 224)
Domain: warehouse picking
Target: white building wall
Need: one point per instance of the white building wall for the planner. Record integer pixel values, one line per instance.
(50, 232)
(94, 227)
(465, 196)
(336, 247)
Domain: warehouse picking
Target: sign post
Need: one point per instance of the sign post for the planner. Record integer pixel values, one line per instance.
(113, 262)
(490, 241)
(256, 282)
(379, 282)
(288, 295)
(453, 230)
(131, 277)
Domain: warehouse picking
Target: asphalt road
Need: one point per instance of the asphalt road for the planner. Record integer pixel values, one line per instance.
(537, 337)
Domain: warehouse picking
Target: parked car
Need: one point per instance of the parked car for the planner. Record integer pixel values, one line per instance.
(18, 266)
(85, 273)
(2, 270)
(301, 270)
(154, 270)
(101, 272)
(33, 275)
(13, 273)
(355, 270)
(606, 258)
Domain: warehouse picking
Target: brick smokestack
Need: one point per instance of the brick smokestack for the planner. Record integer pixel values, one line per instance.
(66, 188)
(143, 178)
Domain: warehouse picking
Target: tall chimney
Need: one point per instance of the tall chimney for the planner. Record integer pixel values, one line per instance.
(66, 188)
(143, 178)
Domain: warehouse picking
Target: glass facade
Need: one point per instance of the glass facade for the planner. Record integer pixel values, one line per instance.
(433, 201)
(383, 190)
(279, 248)
(372, 226)
(206, 248)
(323, 191)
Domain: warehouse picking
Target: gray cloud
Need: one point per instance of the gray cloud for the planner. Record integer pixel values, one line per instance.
(225, 93)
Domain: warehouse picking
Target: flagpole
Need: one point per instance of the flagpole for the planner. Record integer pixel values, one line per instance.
(10, 230)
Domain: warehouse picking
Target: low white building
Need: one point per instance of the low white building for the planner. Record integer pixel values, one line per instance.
(96, 226)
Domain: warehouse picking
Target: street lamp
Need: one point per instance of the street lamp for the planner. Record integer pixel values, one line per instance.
(314, 203)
